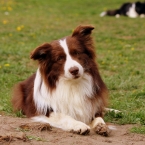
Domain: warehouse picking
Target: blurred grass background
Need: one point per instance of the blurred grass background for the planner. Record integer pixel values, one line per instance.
(119, 45)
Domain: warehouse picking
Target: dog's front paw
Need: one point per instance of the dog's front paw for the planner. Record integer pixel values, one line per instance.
(80, 128)
(102, 129)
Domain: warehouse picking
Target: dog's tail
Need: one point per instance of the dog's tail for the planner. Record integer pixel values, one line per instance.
(110, 13)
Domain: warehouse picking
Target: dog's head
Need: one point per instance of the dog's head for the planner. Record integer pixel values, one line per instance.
(69, 57)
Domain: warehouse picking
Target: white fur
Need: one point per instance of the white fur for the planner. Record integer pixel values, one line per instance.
(67, 123)
(100, 120)
(131, 12)
(67, 95)
(117, 16)
(69, 61)
(97, 121)
(112, 110)
(103, 14)
(142, 16)
(64, 122)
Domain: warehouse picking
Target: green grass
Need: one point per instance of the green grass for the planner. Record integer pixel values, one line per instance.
(139, 130)
(120, 49)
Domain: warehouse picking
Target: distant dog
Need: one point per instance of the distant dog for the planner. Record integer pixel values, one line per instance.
(67, 90)
(131, 10)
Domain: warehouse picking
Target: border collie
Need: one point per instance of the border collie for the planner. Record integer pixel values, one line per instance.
(131, 10)
(67, 90)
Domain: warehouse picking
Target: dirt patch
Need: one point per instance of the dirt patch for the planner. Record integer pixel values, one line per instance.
(20, 131)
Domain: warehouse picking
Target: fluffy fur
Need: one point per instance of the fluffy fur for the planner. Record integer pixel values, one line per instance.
(131, 10)
(67, 90)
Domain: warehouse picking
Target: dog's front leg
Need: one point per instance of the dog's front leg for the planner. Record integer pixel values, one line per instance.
(99, 126)
(64, 122)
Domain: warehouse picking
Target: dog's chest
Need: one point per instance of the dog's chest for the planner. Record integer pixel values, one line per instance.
(73, 98)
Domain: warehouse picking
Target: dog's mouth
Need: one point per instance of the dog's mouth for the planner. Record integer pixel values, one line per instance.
(76, 77)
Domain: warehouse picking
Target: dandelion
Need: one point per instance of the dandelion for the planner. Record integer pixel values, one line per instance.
(132, 49)
(6, 64)
(9, 8)
(5, 22)
(19, 28)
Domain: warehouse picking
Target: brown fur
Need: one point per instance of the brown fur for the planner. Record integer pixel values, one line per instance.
(23, 97)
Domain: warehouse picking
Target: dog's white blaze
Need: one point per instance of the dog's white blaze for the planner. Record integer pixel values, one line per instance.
(131, 12)
(69, 61)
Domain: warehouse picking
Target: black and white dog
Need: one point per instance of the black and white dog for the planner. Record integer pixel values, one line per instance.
(131, 10)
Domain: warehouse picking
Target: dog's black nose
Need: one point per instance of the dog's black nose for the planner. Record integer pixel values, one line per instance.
(74, 70)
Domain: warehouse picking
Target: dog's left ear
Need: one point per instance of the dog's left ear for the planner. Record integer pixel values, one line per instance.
(83, 30)
(40, 52)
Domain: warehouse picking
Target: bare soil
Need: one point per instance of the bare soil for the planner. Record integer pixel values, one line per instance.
(20, 131)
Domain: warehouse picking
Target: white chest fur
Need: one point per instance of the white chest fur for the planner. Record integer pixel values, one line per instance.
(71, 97)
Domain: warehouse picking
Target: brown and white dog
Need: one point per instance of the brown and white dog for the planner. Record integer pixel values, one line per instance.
(67, 90)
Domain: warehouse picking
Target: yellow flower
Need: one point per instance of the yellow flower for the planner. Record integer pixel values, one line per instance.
(5, 21)
(6, 64)
(0, 67)
(19, 28)
(9, 8)
(132, 48)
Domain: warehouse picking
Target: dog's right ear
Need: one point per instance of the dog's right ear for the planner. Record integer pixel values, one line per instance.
(40, 52)
(83, 31)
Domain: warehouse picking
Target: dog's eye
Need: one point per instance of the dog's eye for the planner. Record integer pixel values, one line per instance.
(77, 53)
(60, 58)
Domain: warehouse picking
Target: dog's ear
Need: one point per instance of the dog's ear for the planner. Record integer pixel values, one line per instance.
(40, 52)
(83, 34)
(83, 30)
